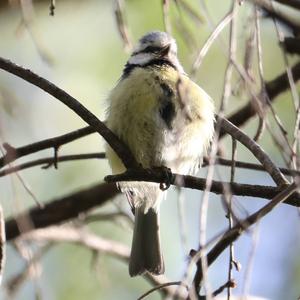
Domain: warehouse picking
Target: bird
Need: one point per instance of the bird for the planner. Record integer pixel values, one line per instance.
(166, 120)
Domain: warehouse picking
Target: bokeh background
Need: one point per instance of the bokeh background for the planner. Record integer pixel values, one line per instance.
(81, 51)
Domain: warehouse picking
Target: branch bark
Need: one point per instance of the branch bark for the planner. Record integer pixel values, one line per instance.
(217, 187)
(62, 209)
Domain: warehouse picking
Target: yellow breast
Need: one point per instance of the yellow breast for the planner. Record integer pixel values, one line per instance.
(163, 116)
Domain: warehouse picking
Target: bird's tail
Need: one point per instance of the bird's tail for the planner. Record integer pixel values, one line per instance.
(146, 254)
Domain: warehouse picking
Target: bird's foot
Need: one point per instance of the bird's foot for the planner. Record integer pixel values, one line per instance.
(166, 176)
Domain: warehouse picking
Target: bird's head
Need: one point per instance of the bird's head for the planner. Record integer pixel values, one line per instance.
(155, 45)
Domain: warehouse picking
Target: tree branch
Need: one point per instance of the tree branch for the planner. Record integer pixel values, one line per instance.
(291, 3)
(256, 150)
(94, 242)
(279, 15)
(117, 145)
(54, 142)
(234, 233)
(292, 45)
(48, 161)
(273, 88)
(251, 166)
(217, 187)
(62, 209)
(69, 207)
(239, 118)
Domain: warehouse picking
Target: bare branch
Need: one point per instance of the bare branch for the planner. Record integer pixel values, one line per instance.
(62, 209)
(159, 287)
(49, 161)
(203, 51)
(117, 145)
(96, 243)
(273, 88)
(77, 235)
(237, 230)
(252, 166)
(279, 15)
(291, 3)
(122, 24)
(55, 142)
(217, 187)
(257, 151)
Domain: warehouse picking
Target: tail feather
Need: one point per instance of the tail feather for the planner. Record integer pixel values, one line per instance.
(145, 250)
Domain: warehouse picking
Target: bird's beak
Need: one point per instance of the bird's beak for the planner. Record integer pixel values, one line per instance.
(165, 50)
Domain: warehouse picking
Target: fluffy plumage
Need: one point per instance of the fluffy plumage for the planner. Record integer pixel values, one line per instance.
(166, 120)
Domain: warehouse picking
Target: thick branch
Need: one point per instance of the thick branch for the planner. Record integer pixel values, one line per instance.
(119, 147)
(217, 187)
(291, 3)
(66, 208)
(62, 209)
(292, 45)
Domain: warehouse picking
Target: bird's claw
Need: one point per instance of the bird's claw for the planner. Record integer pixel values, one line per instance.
(166, 175)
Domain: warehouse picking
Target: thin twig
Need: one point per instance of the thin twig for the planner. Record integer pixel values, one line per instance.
(166, 17)
(239, 228)
(203, 51)
(183, 231)
(2, 244)
(49, 161)
(256, 150)
(156, 288)
(52, 8)
(252, 166)
(249, 267)
(122, 24)
(230, 219)
(228, 285)
(94, 242)
(13, 284)
(14, 153)
(273, 87)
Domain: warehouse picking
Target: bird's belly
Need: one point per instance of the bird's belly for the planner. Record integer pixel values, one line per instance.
(182, 153)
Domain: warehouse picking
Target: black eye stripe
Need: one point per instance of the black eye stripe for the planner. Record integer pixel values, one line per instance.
(151, 49)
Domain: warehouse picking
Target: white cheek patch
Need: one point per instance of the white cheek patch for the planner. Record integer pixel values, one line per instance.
(141, 59)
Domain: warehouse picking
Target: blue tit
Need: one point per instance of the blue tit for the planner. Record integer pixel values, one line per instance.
(166, 120)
